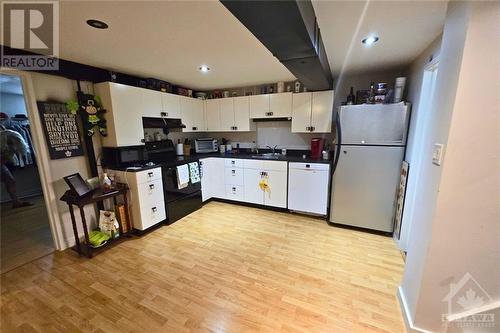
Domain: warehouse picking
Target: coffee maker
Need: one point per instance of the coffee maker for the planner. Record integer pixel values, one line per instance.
(317, 145)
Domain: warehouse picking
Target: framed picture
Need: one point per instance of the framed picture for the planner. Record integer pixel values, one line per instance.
(400, 198)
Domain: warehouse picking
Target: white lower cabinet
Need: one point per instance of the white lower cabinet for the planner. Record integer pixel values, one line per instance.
(277, 181)
(253, 193)
(212, 178)
(147, 203)
(275, 173)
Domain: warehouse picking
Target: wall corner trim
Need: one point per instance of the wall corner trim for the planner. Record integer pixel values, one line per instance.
(408, 320)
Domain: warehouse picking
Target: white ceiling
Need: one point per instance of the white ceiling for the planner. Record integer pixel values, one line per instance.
(405, 28)
(168, 40)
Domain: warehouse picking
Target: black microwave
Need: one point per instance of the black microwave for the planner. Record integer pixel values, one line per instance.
(123, 156)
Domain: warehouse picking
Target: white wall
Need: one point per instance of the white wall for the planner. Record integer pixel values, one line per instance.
(59, 89)
(456, 228)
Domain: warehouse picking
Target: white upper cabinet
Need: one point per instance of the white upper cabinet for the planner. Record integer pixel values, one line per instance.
(322, 111)
(124, 107)
(212, 114)
(226, 114)
(301, 112)
(259, 106)
(242, 121)
(192, 114)
(312, 112)
(280, 105)
(171, 105)
(151, 103)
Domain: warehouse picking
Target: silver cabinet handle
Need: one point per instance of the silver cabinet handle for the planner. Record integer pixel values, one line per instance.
(154, 209)
(150, 174)
(151, 186)
(233, 171)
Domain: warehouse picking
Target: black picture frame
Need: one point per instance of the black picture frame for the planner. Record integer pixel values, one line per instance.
(79, 186)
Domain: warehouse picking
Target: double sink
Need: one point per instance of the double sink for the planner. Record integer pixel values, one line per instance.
(270, 156)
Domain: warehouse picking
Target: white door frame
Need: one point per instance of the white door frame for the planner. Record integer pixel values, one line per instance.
(42, 153)
(415, 170)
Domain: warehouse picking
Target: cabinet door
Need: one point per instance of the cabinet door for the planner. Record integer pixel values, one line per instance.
(171, 104)
(227, 114)
(253, 193)
(281, 105)
(242, 120)
(126, 118)
(301, 112)
(217, 184)
(212, 114)
(276, 196)
(206, 176)
(187, 114)
(322, 111)
(259, 106)
(151, 103)
(198, 111)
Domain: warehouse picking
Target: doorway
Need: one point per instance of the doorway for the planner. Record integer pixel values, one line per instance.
(25, 227)
(420, 141)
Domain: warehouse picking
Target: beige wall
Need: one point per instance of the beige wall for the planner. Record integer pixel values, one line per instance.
(457, 227)
(59, 89)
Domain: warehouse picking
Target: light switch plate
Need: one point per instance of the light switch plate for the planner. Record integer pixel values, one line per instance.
(437, 153)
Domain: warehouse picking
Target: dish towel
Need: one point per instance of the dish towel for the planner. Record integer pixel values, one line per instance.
(182, 176)
(194, 172)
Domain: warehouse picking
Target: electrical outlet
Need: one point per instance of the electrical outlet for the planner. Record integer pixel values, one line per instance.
(437, 153)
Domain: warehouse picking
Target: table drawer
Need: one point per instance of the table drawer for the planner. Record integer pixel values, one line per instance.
(233, 176)
(233, 163)
(235, 192)
(150, 192)
(148, 175)
(151, 214)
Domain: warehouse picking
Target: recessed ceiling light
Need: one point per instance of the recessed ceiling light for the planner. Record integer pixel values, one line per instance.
(370, 40)
(204, 68)
(97, 24)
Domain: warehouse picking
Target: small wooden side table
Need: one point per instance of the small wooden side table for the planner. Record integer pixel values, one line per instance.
(97, 196)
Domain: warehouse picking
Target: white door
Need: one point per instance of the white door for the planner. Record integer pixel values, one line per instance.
(127, 118)
(212, 115)
(322, 111)
(171, 104)
(151, 103)
(281, 105)
(227, 114)
(206, 176)
(259, 106)
(301, 112)
(242, 120)
(198, 111)
(276, 196)
(217, 184)
(253, 193)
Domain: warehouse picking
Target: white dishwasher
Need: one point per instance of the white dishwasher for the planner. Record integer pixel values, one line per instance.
(308, 185)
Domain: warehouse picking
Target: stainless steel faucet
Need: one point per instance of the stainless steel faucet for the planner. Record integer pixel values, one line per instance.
(273, 149)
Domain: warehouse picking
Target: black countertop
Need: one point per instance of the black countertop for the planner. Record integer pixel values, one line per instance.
(296, 156)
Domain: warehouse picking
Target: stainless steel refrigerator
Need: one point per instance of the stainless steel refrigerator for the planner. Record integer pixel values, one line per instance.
(372, 144)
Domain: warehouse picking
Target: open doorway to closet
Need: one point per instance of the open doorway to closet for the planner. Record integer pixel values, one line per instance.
(24, 223)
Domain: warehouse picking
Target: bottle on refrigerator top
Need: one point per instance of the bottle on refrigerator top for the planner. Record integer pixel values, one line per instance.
(350, 97)
(399, 88)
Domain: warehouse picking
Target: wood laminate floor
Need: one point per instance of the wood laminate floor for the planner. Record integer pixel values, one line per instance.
(224, 268)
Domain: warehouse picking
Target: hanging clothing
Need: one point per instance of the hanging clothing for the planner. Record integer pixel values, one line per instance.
(13, 148)
(21, 127)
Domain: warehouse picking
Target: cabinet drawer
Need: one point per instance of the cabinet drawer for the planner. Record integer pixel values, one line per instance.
(253, 164)
(148, 175)
(233, 163)
(150, 215)
(275, 165)
(233, 176)
(235, 192)
(150, 192)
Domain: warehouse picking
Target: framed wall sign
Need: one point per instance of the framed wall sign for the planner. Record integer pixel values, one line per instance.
(61, 130)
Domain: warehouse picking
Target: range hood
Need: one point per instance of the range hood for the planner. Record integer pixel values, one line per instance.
(151, 122)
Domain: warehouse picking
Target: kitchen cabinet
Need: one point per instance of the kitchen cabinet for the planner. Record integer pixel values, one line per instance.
(280, 105)
(312, 112)
(308, 185)
(147, 200)
(226, 114)
(192, 114)
(259, 106)
(212, 179)
(277, 181)
(242, 121)
(213, 115)
(171, 105)
(253, 193)
(151, 103)
(123, 105)
(276, 174)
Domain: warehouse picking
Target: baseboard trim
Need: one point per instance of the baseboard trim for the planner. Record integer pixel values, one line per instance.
(410, 328)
